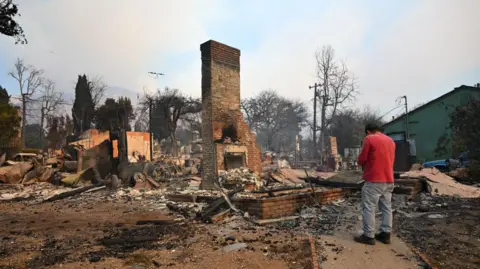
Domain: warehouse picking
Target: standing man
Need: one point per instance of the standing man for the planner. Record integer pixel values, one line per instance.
(376, 158)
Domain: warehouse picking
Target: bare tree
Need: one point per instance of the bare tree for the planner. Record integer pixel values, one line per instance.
(50, 100)
(348, 126)
(169, 107)
(29, 79)
(248, 108)
(259, 110)
(370, 115)
(275, 119)
(141, 122)
(98, 89)
(338, 88)
(193, 122)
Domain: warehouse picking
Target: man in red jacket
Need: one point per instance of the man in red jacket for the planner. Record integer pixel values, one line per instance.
(376, 158)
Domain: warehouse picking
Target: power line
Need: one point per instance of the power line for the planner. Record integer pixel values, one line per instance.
(390, 111)
(400, 113)
(307, 101)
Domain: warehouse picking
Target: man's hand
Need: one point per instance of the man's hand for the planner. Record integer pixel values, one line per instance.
(363, 157)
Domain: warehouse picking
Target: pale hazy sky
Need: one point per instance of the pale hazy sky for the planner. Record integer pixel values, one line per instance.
(418, 48)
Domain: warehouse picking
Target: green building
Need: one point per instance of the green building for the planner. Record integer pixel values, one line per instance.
(429, 125)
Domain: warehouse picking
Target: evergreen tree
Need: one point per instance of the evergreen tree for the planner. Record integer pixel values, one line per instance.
(114, 115)
(465, 126)
(9, 118)
(83, 108)
(53, 136)
(58, 130)
(4, 97)
(33, 140)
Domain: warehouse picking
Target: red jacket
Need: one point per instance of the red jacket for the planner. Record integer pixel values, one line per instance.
(377, 157)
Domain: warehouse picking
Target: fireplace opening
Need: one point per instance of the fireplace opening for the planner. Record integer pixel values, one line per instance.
(229, 135)
(234, 160)
(229, 132)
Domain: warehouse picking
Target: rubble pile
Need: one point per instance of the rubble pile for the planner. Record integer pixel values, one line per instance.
(288, 176)
(177, 193)
(166, 168)
(442, 184)
(165, 171)
(432, 222)
(38, 192)
(187, 210)
(460, 174)
(282, 163)
(14, 173)
(32, 171)
(239, 176)
(347, 176)
(341, 216)
(42, 191)
(278, 186)
(204, 193)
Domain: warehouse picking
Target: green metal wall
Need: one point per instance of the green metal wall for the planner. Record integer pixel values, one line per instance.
(429, 125)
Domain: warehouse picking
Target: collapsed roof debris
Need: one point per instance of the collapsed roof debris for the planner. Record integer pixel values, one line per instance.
(242, 176)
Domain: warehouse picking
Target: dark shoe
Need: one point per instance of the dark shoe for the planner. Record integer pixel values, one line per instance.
(364, 240)
(383, 237)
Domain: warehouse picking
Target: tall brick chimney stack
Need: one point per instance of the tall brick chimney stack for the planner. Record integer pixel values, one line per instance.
(220, 91)
(221, 111)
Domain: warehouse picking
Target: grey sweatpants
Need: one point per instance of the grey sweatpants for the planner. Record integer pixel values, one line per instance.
(374, 194)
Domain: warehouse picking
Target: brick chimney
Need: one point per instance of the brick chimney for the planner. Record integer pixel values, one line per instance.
(221, 115)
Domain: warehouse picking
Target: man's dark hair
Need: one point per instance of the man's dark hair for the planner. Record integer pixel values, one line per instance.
(372, 127)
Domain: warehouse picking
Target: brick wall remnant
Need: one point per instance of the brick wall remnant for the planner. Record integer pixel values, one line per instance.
(287, 205)
(221, 110)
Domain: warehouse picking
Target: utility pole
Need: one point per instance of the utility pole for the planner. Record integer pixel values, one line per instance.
(150, 104)
(406, 118)
(150, 101)
(314, 118)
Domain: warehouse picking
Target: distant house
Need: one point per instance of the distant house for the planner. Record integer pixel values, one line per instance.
(429, 125)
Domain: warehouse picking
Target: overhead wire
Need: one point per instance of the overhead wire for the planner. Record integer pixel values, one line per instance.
(390, 111)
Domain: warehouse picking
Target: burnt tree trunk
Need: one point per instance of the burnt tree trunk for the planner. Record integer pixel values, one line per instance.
(42, 120)
(173, 137)
(24, 117)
